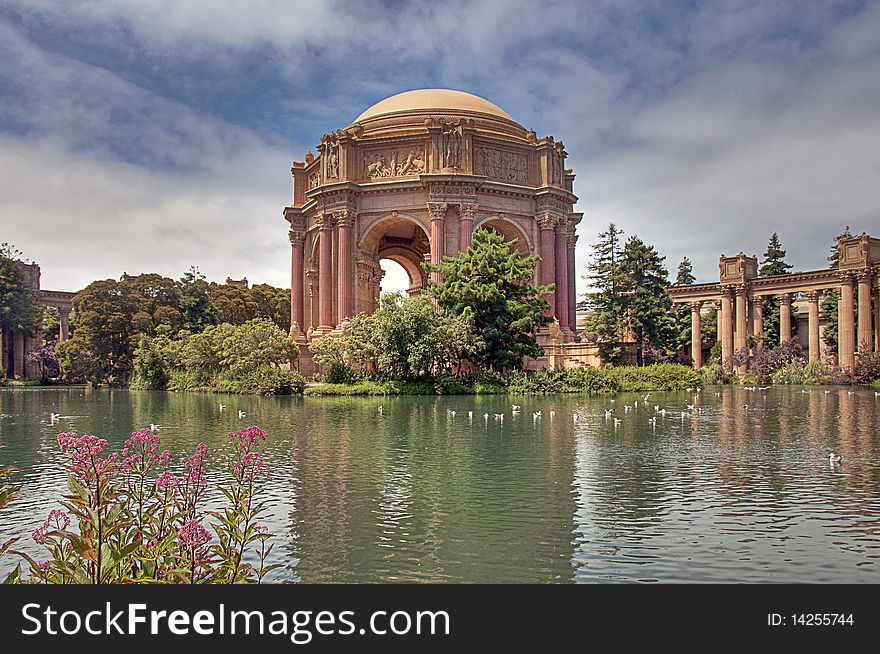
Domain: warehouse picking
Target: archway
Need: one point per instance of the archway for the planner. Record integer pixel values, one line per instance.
(510, 232)
(402, 244)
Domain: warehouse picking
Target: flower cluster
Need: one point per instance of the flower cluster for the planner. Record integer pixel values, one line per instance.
(58, 520)
(247, 439)
(141, 452)
(193, 535)
(167, 481)
(87, 463)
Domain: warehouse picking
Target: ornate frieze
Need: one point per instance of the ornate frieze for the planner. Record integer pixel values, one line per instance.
(314, 179)
(447, 190)
(501, 165)
(394, 162)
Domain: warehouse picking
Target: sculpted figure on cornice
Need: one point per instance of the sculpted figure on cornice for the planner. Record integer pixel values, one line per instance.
(331, 153)
(501, 165)
(314, 180)
(395, 162)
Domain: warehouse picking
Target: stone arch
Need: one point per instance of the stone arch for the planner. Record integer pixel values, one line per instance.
(510, 231)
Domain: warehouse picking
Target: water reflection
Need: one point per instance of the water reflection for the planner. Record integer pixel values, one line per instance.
(738, 489)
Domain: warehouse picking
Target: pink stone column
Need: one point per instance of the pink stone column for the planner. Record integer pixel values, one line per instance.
(548, 257)
(572, 278)
(758, 319)
(865, 342)
(784, 317)
(562, 277)
(297, 286)
(696, 337)
(813, 324)
(325, 276)
(345, 222)
(727, 329)
(740, 335)
(438, 236)
(845, 326)
(466, 225)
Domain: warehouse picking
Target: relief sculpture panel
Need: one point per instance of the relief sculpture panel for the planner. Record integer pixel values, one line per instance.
(394, 162)
(501, 165)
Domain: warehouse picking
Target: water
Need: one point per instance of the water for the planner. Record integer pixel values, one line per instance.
(414, 495)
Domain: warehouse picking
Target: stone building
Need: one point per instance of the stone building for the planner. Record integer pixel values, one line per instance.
(409, 180)
(15, 346)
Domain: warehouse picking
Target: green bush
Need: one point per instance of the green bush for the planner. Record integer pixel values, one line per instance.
(372, 387)
(713, 374)
(659, 377)
(790, 373)
(265, 380)
(452, 385)
(339, 373)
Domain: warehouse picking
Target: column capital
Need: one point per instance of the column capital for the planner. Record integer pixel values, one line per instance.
(547, 221)
(727, 291)
(324, 220)
(784, 297)
(865, 276)
(741, 290)
(845, 278)
(297, 237)
(696, 305)
(813, 296)
(437, 210)
(758, 300)
(345, 217)
(468, 210)
(572, 241)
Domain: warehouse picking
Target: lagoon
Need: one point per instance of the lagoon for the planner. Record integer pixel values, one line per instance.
(413, 494)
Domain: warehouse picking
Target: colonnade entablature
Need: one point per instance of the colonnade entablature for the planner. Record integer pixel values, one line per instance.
(409, 180)
(740, 292)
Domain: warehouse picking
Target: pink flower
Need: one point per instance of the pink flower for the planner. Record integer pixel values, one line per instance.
(57, 521)
(39, 535)
(167, 481)
(193, 535)
(247, 439)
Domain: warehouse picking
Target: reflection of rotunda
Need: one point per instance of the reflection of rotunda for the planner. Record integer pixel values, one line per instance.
(409, 180)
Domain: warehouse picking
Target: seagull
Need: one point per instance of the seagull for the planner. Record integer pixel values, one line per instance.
(691, 407)
(552, 413)
(834, 458)
(656, 407)
(850, 392)
(536, 414)
(746, 407)
(826, 393)
(450, 413)
(626, 408)
(652, 421)
(646, 397)
(575, 417)
(154, 427)
(470, 416)
(222, 407)
(515, 408)
(53, 417)
(617, 422)
(689, 389)
(486, 418)
(876, 394)
(684, 414)
(381, 408)
(241, 414)
(662, 413)
(717, 394)
(608, 413)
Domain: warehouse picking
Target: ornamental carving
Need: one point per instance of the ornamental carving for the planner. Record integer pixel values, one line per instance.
(297, 237)
(314, 180)
(330, 143)
(395, 162)
(501, 165)
(454, 189)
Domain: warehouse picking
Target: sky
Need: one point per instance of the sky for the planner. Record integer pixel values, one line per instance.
(158, 134)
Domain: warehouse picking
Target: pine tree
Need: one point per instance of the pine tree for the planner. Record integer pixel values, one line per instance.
(773, 264)
(647, 300)
(684, 277)
(494, 282)
(606, 301)
(830, 298)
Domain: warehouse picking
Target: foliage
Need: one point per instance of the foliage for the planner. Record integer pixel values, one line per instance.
(256, 343)
(51, 325)
(798, 373)
(19, 308)
(264, 380)
(773, 263)
(713, 374)
(134, 518)
(372, 387)
(45, 360)
(607, 301)
(765, 362)
(865, 371)
(831, 298)
(659, 377)
(150, 372)
(493, 282)
(196, 310)
(685, 273)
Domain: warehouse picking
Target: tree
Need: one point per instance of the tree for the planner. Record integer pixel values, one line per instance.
(45, 360)
(150, 372)
(647, 301)
(606, 301)
(106, 334)
(684, 277)
(494, 281)
(831, 298)
(19, 309)
(273, 304)
(258, 342)
(232, 303)
(196, 310)
(773, 264)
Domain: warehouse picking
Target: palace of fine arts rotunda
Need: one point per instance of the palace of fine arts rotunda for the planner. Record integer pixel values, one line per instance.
(409, 180)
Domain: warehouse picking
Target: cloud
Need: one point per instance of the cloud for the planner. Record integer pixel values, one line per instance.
(164, 130)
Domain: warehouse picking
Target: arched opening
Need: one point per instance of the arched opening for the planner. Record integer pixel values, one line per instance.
(395, 277)
(397, 245)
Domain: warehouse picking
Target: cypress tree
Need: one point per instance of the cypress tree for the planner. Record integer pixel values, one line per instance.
(606, 301)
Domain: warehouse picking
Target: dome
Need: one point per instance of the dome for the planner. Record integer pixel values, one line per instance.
(427, 100)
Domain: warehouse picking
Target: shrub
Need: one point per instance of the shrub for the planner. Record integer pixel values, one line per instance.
(150, 373)
(452, 385)
(131, 517)
(340, 373)
(713, 374)
(660, 377)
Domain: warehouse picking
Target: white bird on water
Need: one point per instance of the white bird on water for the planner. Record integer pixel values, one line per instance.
(222, 407)
(617, 422)
(608, 413)
(470, 416)
(834, 458)
(154, 427)
(515, 408)
(53, 417)
(381, 409)
(575, 417)
(499, 416)
(486, 418)
(552, 414)
(241, 414)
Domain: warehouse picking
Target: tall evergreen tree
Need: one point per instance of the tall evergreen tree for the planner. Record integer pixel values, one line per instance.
(684, 277)
(196, 310)
(774, 263)
(606, 301)
(494, 282)
(831, 298)
(647, 300)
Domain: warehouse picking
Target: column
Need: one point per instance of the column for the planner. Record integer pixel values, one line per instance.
(727, 329)
(696, 338)
(845, 326)
(325, 273)
(467, 213)
(297, 282)
(344, 224)
(718, 317)
(813, 304)
(784, 317)
(572, 279)
(547, 224)
(740, 344)
(18, 354)
(758, 318)
(877, 318)
(438, 236)
(865, 341)
(561, 256)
